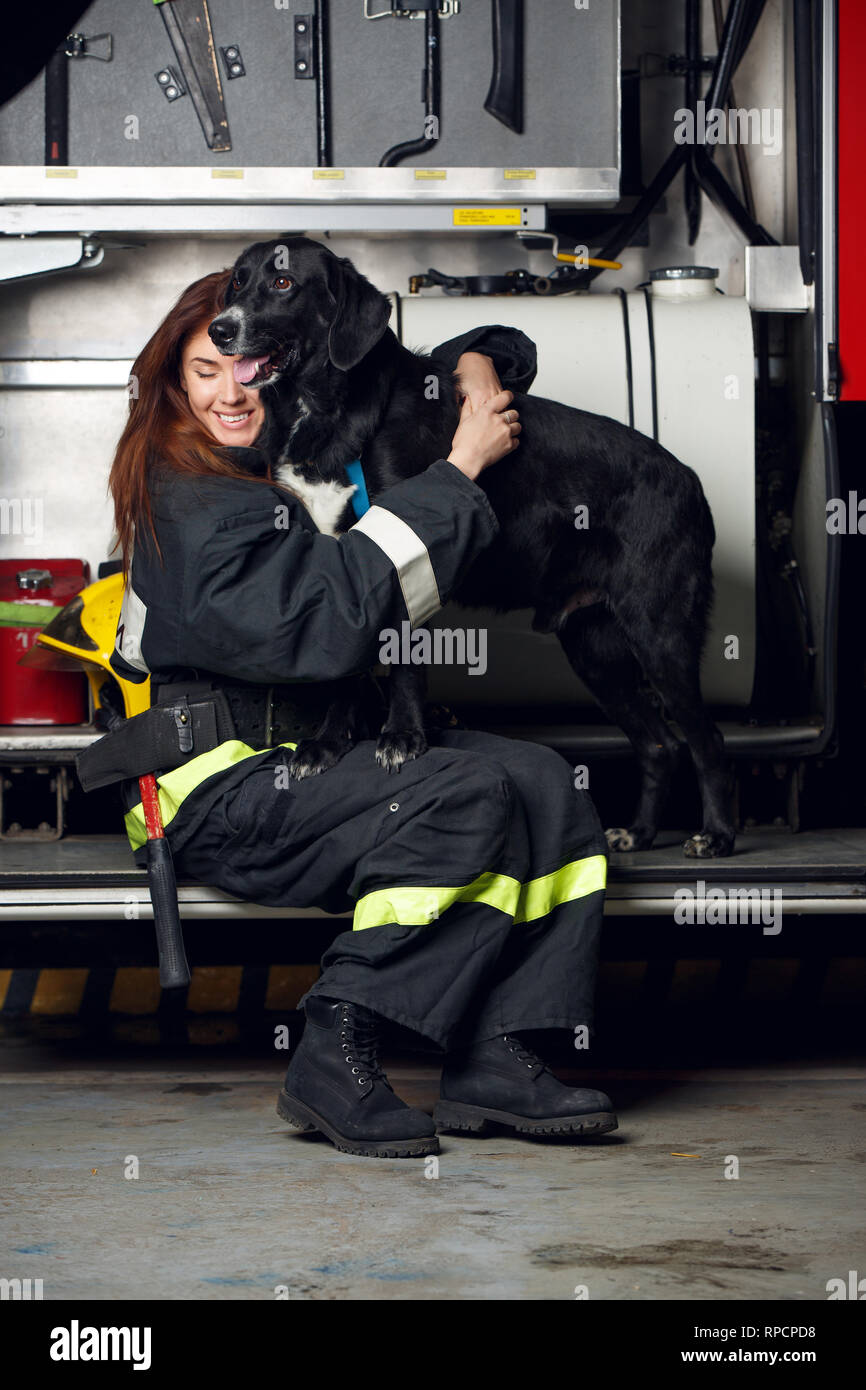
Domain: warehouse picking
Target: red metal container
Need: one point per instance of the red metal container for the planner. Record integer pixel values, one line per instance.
(851, 194)
(38, 588)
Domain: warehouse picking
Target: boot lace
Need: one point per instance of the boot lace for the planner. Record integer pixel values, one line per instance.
(359, 1040)
(522, 1052)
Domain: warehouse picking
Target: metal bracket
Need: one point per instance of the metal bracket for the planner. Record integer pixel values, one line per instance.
(233, 62)
(305, 60)
(26, 256)
(77, 47)
(445, 9)
(671, 64)
(23, 257)
(171, 85)
(183, 725)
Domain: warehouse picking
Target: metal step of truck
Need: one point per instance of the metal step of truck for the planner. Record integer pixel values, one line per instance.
(816, 871)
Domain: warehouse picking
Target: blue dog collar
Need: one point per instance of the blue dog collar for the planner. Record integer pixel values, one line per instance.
(360, 498)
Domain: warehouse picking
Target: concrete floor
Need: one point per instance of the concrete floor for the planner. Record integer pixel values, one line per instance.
(230, 1203)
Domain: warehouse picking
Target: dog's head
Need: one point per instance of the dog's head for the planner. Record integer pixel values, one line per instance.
(292, 305)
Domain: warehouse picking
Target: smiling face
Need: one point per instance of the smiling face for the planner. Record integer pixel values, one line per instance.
(229, 410)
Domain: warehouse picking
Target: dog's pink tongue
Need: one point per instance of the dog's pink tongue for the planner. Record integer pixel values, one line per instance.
(246, 367)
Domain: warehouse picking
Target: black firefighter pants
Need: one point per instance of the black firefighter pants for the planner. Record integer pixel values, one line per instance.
(476, 874)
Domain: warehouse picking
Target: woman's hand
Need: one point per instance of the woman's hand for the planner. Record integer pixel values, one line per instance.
(485, 435)
(477, 379)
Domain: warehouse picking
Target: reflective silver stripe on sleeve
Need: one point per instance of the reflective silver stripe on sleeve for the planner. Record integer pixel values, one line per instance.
(130, 628)
(408, 554)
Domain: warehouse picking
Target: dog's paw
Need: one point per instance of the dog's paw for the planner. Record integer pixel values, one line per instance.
(624, 840)
(393, 749)
(708, 846)
(314, 756)
(618, 839)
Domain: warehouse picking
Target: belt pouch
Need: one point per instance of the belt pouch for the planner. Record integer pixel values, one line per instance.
(161, 738)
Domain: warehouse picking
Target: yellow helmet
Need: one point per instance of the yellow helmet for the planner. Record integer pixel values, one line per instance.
(82, 635)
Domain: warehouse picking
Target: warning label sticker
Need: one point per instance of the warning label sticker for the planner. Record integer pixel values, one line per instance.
(487, 217)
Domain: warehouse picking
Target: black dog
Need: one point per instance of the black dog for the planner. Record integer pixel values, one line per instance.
(629, 596)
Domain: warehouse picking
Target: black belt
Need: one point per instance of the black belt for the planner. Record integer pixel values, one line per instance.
(264, 716)
(192, 717)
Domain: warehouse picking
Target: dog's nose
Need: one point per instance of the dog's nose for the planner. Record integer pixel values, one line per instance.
(222, 331)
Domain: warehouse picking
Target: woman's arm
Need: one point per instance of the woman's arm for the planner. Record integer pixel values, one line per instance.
(512, 353)
(248, 591)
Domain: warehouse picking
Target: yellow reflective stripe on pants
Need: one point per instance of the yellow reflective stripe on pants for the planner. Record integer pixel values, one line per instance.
(173, 787)
(576, 880)
(413, 907)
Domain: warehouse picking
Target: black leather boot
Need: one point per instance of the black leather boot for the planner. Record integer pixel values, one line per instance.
(503, 1081)
(335, 1084)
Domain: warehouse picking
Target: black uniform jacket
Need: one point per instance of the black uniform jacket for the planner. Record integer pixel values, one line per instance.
(243, 598)
(253, 601)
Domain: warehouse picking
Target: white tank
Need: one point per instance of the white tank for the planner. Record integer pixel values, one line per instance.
(676, 360)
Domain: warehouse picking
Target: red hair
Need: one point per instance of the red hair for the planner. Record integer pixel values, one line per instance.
(161, 424)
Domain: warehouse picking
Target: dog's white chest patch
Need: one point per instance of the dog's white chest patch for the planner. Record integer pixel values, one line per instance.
(325, 501)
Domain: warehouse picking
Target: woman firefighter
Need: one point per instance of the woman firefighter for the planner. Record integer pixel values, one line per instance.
(476, 877)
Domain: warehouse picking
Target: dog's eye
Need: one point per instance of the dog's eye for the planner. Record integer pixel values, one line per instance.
(283, 282)
(236, 284)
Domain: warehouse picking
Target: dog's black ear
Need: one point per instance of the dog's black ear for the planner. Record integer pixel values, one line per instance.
(360, 316)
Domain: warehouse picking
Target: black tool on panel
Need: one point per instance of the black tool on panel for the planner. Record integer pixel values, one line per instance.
(312, 64)
(431, 81)
(188, 26)
(57, 91)
(322, 85)
(431, 11)
(505, 97)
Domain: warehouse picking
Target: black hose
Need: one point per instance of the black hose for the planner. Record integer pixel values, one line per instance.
(740, 23)
(693, 54)
(792, 572)
(633, 221)
(717, 187)
(742, 161)
(749, 29)
(730, 51)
